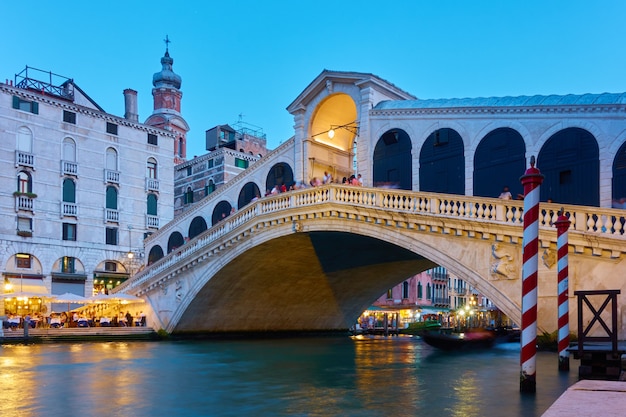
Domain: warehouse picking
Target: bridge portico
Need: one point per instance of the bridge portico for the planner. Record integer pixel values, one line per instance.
(314, 259)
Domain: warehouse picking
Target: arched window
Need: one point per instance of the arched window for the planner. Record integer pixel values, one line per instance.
(69, 191)
(405, 289)
(151, 168)
(419, 290)
(428, 292)
(111, 159)
(24, 140)
(152, 205)
(189, 196)
(111, 197)
(210, 187)
(24, 182)
(69, 150)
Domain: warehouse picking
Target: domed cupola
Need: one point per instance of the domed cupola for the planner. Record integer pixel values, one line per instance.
(166, 77)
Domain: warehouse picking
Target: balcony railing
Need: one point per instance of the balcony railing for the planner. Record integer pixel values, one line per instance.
(69, 209)
(69, 168)
(24, 203)
(111, 215)
(152, 184)
(152, 221)
(24, 159)
(111, 176)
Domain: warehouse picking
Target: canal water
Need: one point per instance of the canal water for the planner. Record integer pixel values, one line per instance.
(321, 376)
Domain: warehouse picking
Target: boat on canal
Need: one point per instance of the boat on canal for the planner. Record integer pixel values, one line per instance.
(448, 339)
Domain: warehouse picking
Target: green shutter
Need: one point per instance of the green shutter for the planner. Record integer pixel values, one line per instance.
(16, 102)
(35, 107)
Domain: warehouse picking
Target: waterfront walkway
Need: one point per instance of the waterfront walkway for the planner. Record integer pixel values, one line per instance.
(591, 398)
(79, 334)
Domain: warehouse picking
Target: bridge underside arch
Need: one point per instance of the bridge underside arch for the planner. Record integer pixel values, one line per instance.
(304, 281)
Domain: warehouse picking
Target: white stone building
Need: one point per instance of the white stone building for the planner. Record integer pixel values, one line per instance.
(80, 188)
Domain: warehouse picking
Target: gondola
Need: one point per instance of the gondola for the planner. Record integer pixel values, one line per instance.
(448, 339)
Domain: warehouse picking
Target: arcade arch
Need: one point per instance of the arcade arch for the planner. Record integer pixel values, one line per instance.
(442, 163)
(392, 160)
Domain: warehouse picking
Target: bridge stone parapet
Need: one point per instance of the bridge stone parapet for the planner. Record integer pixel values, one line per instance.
(477, 239)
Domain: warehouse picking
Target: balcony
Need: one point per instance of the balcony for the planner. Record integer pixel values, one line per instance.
(24, 159)
(69, 168)
(24, 202)
(152, 184)
(69, 209)
(111, 176)
(111, 216)
(152, 221)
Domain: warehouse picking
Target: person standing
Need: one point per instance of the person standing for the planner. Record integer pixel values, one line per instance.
(505, 194)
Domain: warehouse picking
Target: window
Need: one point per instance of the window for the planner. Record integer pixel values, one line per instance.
(110, 266)
(68, 264)
(419, 290)
(111, 197)
(151, 168)
(189, 171)
(428, 292)
(180, 146)
(69, 117)
(389, 294)
(69, 191)
(23, 260)
(241, 163)
(405, 289)
(209, 188)
(111, 128)
(211, 163)
(24, 183)
(111, 235)
(25, 105)
(189, 196)
(153, 139)
(24, 139)
(111, 159)
(69, 231)
(69, 150)
(24, 224)
(152, 205)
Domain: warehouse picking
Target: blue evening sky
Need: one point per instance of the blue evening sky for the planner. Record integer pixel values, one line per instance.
(255, 57)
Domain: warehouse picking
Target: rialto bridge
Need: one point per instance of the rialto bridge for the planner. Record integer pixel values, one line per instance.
(314, 259)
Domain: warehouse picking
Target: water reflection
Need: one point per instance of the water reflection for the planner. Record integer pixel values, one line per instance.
(284, 377)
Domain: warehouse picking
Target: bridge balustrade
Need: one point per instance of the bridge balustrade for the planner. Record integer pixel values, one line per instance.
(596, 220)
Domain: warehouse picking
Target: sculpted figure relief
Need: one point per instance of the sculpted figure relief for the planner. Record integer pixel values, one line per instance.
(502, 265)
(549, 258)
(178, 290)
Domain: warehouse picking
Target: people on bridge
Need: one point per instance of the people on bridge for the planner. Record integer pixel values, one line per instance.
(505, 194)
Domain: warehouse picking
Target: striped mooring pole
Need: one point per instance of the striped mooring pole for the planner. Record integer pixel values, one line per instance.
(562, 225)
(531, 180)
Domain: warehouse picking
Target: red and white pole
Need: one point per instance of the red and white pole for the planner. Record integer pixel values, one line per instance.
(562, 225)
(531, 181)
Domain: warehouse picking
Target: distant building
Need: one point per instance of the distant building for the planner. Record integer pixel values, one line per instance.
(231, 151)
(81, 187)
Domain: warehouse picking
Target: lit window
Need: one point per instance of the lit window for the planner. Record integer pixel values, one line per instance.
(23, 260)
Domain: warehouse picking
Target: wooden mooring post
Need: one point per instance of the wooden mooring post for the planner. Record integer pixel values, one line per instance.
(599, 356)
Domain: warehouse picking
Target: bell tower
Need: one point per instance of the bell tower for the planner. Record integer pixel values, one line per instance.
(167, 102)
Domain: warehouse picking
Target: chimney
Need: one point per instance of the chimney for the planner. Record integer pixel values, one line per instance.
(130, 103)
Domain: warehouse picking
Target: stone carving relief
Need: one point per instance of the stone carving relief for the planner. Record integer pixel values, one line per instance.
(178, 290)
(549, 258)
(502, 263)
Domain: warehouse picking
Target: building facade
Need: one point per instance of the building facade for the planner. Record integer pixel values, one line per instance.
(81, 188)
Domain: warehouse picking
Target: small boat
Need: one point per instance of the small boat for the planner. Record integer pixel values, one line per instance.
(447, 339)
(420, 326)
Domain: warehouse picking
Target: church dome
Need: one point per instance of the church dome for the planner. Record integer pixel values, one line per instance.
(166, 77)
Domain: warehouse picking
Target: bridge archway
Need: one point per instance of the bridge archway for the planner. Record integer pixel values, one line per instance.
(569, 161)
(501, 154)
(221, 211)
(280, 173)
(392, 160)
(619, 178)
(442, 163)
(175, 240)
(156, 253)
(247, 193)
(197, 226)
